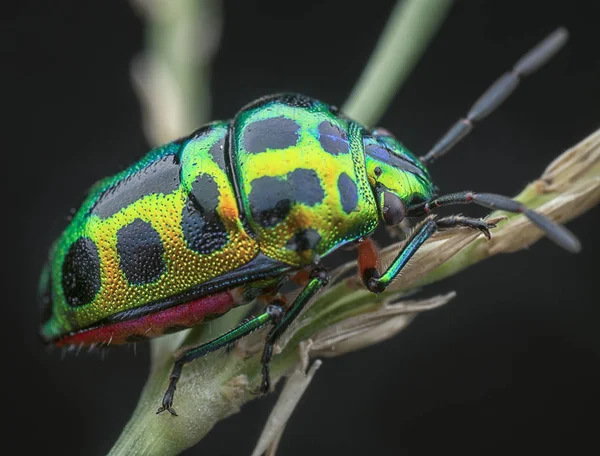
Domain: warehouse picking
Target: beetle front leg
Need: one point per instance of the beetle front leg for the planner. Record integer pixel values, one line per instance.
(377, 283)
(369, 261)
(318, 279)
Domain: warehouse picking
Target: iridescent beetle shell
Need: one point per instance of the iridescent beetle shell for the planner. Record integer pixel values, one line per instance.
(214, 219)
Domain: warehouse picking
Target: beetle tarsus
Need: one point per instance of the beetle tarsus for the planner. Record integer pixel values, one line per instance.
(167, 402)
(168, 408)
(456, 220)
(265, 384)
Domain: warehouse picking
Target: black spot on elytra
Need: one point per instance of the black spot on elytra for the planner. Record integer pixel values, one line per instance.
(274, 133)
(384, 155)
(304, 240)
(305, 186)
(81, 272)
(161, 176)
(348, 193)
(333, 139)
(140, 252)
(271, 198)
(205, 195)
(202, 228)
(136, 338)
(217, 151)
(270, 201)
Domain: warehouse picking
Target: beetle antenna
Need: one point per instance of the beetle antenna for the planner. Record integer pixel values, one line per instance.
(555, 232)
(499, 91)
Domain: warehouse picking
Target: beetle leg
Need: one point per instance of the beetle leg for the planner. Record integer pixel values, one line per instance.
(458, 220)
(557, 233)
(273, 313)
(369, 262)
(376, 282)
(301, 277)
(318, 279)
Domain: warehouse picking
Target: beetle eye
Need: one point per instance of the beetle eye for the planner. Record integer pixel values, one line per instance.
(392, 209)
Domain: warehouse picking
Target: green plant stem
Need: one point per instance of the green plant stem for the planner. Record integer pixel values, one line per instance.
(410, 28)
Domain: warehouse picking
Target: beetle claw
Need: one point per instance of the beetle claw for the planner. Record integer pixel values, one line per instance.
(169, 408)
(482, 226)
(265, 386)
(167, 403)
(485, 228)
(263, 389)
(260, 391)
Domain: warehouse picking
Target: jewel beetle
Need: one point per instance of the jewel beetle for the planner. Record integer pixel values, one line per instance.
(231, 212)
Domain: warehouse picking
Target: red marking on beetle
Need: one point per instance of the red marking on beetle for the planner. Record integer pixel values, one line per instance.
(301, 277)
(154, 324)
(368, 256)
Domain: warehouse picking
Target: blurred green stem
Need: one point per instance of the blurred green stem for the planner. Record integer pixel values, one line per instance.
(172, 75)
(411, 26)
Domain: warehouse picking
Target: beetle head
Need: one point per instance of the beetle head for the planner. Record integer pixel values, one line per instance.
(398, 177)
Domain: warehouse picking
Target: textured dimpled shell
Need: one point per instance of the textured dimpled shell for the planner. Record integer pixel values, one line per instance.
(301, 174)
(238, 204)
(136, 238)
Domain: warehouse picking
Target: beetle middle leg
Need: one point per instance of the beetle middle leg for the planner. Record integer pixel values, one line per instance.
(318, 279)
(275, 314)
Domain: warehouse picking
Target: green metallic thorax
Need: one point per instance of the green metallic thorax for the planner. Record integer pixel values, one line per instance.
(307, 194)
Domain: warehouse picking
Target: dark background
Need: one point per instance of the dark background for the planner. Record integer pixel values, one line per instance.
(510, 365)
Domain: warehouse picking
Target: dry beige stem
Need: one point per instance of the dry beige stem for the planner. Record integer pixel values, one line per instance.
(295, 386)
(371, 328)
